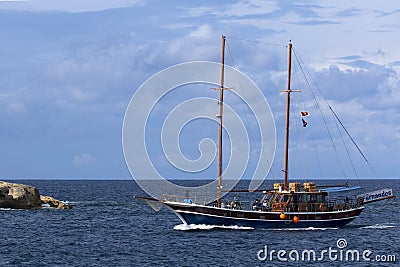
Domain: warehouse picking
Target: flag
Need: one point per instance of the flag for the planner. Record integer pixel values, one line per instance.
(305, 114)
(304, 122)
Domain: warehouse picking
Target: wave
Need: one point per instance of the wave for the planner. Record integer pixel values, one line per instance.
(190, 227)
(96, 202)
(69, 202)
(379, 226)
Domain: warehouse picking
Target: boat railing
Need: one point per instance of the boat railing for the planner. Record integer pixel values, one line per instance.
(237, 205)
(307, 207)
(344, 204)
(331, 205)
(205, 200)
(202, 200)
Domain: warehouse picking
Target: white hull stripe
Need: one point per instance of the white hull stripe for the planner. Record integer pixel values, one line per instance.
(263, 220)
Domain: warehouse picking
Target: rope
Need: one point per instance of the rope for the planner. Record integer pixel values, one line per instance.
(254, 41)
(337, 118)
(248, 118)
(354, 142)
(302, 141)
(323, 118)
(310, 132)
(345, 146)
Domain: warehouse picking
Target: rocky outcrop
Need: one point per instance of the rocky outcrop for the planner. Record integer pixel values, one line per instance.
(54, 203)
(20, 196)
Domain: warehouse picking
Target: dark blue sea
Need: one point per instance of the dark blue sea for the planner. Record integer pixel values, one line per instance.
(107, 227)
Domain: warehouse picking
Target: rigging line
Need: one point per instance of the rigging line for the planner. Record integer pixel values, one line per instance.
(351, 138)
(255, 41)
(310, 132)
(348, 134)
(319, 163)
(301, 133)
(345, 146)
(272, 172)
(322, 116)
(302, 142)
(239, 88)
(230, 54)
(246, 114)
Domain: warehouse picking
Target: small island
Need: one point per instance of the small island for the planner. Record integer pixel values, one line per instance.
(20, 196)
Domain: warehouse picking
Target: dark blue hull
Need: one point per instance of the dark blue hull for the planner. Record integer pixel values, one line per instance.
(199, 214)
(263, 224)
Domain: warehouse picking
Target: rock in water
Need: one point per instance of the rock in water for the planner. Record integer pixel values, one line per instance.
(19, 196)
(54, 203)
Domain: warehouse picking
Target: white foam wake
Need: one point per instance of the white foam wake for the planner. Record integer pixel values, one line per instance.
(188, 227)
(379, 226)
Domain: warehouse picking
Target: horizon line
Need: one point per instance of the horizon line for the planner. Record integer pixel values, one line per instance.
(191, 179)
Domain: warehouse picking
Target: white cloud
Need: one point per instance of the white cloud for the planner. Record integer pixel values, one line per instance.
(67, 5)
(251, 8)
(80, 68)
(202, 32)
(84, 159)
(198, 41)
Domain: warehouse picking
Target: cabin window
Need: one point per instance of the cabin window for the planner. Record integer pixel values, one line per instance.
(320, 198)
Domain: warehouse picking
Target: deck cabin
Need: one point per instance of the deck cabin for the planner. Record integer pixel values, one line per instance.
(298, 199)
(295, 201)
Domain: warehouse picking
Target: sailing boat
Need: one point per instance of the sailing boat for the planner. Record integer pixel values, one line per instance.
(287, 205)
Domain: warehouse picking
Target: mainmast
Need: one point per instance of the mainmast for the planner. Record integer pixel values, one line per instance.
(288, 91)
(221, 100)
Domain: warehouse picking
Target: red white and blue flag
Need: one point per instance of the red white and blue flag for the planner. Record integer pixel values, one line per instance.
(304, 122)
(304, 114)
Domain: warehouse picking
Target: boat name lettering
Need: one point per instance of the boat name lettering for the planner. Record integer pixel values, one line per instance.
(376, 195)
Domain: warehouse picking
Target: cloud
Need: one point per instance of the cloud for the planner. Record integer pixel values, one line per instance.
(349, 12)
(315, 22)
(250, 8)
(353, 77)
(388, 13)
(67, 5)
(69, 68)
(84, 159)
(198, 41)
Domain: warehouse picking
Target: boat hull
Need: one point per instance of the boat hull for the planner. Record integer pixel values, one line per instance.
(199, 214)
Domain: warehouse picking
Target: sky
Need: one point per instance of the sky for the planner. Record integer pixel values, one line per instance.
(68, 70)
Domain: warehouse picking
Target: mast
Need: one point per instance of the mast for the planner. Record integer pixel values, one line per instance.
(221, 100)
(288, 91)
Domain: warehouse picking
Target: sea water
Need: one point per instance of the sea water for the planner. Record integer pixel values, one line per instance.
(107, 227)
